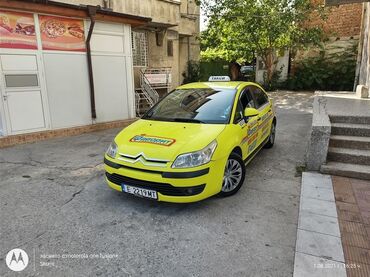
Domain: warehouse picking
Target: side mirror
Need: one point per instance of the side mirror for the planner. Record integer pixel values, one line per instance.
(250, 112)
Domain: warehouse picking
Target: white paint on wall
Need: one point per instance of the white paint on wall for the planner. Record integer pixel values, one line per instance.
(68, 89)
(107, 43)
(282, 65)
(108, 27)
(112, 67)
(1, 124)
(110, 82)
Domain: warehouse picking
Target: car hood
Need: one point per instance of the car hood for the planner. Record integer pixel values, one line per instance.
(165, 140)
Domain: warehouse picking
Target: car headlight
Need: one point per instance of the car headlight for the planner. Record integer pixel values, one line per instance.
(197, 158)
(112, 150)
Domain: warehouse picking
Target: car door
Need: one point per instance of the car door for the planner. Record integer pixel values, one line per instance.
(262, 104)
(249, 127)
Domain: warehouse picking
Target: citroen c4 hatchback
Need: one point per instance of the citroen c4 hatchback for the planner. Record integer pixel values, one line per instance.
(194, 143)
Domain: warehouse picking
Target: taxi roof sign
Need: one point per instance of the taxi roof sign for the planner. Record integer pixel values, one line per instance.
(219, 79)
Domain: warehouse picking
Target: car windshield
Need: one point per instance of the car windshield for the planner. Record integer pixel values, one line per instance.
(196, 105)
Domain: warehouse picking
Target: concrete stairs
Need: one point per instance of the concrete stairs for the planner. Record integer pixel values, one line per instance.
(349, 147)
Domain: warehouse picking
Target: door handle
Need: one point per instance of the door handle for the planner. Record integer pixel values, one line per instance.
(5, 97)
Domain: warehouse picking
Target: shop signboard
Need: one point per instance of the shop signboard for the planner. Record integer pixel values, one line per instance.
(62, 34)
(158, 78)
(17, 30)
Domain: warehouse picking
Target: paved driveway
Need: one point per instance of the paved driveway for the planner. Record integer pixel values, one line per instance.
(55, 205)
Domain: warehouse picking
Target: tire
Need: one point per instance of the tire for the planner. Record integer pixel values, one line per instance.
(235, 168)
(271, 139)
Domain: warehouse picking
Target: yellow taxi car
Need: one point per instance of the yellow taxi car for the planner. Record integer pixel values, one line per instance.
(194, 143)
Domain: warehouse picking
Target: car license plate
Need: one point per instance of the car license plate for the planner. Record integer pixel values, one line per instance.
(152, 194)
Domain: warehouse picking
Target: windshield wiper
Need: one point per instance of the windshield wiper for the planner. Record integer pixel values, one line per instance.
(192, 120)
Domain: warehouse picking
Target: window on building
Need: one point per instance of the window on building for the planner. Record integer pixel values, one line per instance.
(140, 49)
(170, 48)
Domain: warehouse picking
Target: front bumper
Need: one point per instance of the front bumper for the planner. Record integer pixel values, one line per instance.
(178, 186)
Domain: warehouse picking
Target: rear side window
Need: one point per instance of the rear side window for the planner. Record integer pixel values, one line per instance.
(260, 97)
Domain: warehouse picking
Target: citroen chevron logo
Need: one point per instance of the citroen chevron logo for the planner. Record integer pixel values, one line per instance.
(143, 159)
(17, 259)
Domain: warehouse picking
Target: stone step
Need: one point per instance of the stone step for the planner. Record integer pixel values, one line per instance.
(346, 170)
(354, 142)
(347, 155)
(349, 129)
(350, 119)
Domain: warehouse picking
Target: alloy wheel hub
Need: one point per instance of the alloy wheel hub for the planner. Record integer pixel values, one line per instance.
(232, 176)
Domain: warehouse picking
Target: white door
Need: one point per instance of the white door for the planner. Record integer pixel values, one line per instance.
(22, 93)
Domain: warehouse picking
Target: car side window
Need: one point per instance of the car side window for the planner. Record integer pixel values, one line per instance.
(246, 99)
(260, 97)
(238, 113)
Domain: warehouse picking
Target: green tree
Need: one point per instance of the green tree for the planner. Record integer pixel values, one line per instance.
(239, 28)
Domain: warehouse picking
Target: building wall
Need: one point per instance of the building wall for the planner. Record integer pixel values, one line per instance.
(341, 26)
(69, 101)
(112, 69)
(159, 10)
(341, 21)
(112, 66)
(60, 96)
(363, 63)
(178, 18)
(1, 126)
(361, 13)
(164, 11)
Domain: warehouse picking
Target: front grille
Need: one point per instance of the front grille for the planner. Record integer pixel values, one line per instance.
(163, 188)
(146, 159)
(143, 159)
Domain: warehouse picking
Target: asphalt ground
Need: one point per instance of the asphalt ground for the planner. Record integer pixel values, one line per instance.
(55, 205)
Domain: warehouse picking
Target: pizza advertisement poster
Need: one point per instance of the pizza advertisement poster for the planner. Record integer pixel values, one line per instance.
(17, 30)
(62, 34)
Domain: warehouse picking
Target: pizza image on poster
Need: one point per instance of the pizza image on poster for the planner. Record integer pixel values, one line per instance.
(17, 30)
(62, 34)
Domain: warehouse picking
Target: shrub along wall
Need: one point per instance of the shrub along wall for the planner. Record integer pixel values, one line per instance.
(330, 68)
(213, 68)
(201, 71)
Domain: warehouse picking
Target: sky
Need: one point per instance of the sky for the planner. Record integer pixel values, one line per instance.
(203, 24)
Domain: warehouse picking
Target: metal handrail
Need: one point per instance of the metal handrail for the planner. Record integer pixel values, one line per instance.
(147, 88)
(140, 96)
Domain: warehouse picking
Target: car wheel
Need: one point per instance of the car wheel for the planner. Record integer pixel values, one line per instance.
(233, 176)
(271, 139)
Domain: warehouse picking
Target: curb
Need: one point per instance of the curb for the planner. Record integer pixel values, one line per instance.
(319, 250)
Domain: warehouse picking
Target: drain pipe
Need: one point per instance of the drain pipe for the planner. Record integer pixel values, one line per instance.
(91, 10)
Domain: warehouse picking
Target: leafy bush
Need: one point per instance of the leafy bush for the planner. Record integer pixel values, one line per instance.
(192, 72)
(335, 71)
